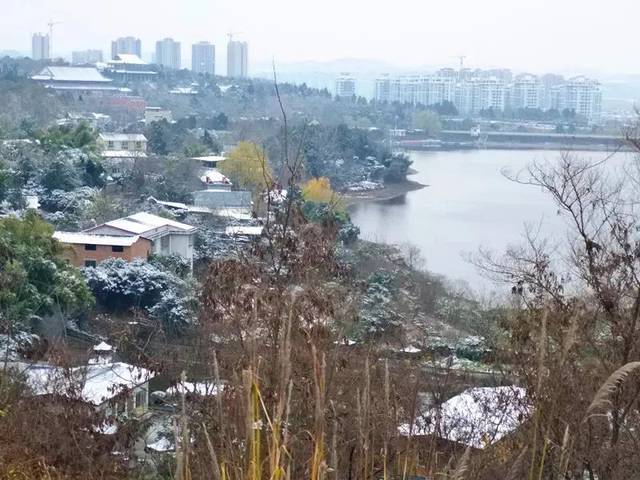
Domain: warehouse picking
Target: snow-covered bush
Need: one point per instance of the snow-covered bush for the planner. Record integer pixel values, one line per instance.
(376, 314)
(119, 285)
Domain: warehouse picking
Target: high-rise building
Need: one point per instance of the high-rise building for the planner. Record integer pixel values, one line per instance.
(126, 45)
(345, 86)
(583, 96)
(40, 47)
(383, 89)
(203, 58)
(84, 57)
(237, 59)
(168, 54)
(526, 92)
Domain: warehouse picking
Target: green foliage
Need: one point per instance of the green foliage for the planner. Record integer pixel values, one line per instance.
(377, 316)
(397, 168)
(34, 279)
(428, 121)
(326, 214)
(61, 174)
(59, 138)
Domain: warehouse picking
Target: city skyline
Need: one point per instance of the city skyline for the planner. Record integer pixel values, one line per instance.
(483, 33)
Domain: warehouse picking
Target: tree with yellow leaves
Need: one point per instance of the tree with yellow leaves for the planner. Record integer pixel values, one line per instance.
(247, 166)
(318, 190)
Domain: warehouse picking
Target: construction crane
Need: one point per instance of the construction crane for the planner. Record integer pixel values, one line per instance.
(231, 34)
(51, 24)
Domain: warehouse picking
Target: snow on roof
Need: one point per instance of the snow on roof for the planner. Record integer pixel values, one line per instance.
(123, 137)
(478, 417)
(243, 230)
(94, 239)
(122, 154)
(103, 347)
(156, 221)
(71, 74)
(203, 389)
(94, 383)
(213, 175)
(181, 206)
(210, 158)
(129, 226)
(128, 58)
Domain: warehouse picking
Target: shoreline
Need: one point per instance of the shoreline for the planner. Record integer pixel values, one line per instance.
(388, 192)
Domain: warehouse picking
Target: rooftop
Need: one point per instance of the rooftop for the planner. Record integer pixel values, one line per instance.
(71, 74)
(94, 383)
(128, 58)
(123, 137)
(94, 239)
(478, 417)
(143, 223)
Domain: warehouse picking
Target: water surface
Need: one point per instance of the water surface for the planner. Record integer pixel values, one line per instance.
(468, 203)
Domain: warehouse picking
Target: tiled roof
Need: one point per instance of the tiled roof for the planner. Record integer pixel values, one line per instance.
(71, 74)
(93, 239)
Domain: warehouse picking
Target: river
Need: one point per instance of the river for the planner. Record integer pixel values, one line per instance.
(467, 203)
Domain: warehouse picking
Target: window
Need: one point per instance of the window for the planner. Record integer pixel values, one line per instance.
(110, 144)
(90, 246)
(125, 145)
(138, 145)
(117, 248)
(90, 263)
(141, 398)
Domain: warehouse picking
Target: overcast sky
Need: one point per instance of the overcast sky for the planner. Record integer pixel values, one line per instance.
(531, 35)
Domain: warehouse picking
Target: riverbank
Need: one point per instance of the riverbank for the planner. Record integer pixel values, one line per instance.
(390, 191)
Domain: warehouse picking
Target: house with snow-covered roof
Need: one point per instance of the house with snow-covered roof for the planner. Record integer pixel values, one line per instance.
(88, 249)
(115, 388)
(166, 236)
(476, 418)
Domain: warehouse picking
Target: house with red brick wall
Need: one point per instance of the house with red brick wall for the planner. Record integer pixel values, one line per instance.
(88, 249)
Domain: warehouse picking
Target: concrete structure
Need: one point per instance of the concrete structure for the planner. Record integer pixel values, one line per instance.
(224, 202)
(87, 250)
(120, 150)
(237, 59)
(382, 91)
(128, 68)
(126, 45)
(526, 92)
(167, 236)
(40, 47)
(581, 95)
(84, 80)
(157, 114)
(203, 58)
(345, 86)
(84, 57)
(168, 54)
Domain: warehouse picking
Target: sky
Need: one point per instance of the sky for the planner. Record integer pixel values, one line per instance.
(580, 36)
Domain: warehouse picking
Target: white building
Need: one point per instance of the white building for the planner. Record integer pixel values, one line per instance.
(120, 150)
(84, 80)
(382, 91)
(237, 59)
(168, 54)
(167, 236)
(126, 45)
(581, 95)
(40, 47)
(345, 86)
(84, 57)
(203, 58)
(526, 92)
(157, 114)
